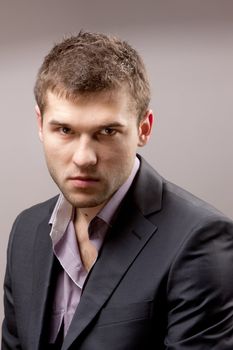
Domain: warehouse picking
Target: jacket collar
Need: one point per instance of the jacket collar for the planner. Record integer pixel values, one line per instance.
(147, 189)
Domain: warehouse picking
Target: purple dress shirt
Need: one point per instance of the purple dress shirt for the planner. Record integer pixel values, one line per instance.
(73, 274)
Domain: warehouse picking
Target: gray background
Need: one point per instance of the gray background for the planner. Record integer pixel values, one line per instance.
(188, 49)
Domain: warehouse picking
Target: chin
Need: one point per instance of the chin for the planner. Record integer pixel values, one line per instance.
(83, 203)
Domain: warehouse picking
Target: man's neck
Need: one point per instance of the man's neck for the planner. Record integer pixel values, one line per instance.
(85, 215)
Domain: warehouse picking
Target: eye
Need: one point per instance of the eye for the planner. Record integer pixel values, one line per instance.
(64, 130)
(108, 132)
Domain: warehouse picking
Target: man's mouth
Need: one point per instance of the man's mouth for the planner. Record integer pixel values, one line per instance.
(83, 181)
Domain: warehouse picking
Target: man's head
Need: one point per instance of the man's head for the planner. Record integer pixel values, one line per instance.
(90, 63)
(92, 107)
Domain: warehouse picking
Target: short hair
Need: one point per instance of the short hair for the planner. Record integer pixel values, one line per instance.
(92, 63)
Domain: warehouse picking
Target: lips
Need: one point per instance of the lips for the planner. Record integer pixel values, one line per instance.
(83, 178)
(83, 181)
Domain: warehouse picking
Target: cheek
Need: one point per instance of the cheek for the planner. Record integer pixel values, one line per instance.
(112, 156)
(118, 159)
(126, 149)
(55, 156)
(124, 145)
(50, 151)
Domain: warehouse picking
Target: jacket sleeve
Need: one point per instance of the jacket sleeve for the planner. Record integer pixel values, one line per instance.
(10, 340)
(200, 290)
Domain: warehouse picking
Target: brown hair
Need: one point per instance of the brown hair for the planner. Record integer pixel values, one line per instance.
(93, 63)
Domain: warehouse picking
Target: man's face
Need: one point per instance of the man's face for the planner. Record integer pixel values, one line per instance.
(90, 145)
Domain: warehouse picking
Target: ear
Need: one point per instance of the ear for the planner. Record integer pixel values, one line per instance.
(39, 122)
(145, 128)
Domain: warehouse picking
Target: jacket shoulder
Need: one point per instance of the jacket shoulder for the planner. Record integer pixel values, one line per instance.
(40, 210)
(186, 202)
(156, 195)
(29, 219)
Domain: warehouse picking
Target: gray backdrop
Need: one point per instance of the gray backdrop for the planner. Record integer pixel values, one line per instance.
(188, 48)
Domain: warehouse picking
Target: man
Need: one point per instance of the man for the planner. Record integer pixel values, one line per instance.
(121, 259)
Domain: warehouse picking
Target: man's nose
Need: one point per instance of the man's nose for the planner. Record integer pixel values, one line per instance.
(84, 155)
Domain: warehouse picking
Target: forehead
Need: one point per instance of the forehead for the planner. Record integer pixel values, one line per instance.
(117, 98)
(90, 109)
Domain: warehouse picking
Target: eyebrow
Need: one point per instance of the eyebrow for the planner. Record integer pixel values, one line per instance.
(101, 126)
(57, 122)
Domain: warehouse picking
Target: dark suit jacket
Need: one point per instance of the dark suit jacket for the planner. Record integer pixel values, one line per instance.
(163, 279)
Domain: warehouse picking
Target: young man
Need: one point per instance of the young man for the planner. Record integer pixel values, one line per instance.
(121, 259)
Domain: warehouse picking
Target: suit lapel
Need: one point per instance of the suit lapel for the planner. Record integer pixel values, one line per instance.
(42, 267)
(122, 246)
